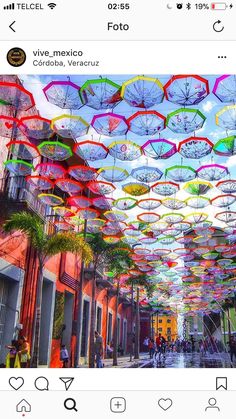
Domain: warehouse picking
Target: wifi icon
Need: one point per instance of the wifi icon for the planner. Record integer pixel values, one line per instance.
(52, 5)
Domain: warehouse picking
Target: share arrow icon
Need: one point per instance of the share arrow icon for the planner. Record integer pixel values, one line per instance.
(67, 381)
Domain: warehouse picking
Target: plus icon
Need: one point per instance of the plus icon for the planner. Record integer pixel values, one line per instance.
(118, 405)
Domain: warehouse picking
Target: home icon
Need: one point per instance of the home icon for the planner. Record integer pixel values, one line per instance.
(23, 406)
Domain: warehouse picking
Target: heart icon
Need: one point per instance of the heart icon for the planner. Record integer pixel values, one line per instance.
(165, 404)
(16, 382)
(8, 125)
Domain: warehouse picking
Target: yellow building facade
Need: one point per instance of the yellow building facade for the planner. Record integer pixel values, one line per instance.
(167, 326)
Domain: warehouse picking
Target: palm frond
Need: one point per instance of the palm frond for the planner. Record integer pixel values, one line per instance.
(68, 242)
(28, 224)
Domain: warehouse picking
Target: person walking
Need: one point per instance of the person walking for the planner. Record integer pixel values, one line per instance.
(151, 346)
(12, 358)
(232, 348)
(24, 352)
(98, 350)
(64, 356)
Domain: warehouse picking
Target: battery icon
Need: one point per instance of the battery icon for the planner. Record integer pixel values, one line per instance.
(218, 6)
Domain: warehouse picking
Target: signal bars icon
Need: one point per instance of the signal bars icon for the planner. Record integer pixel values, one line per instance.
(10, 6)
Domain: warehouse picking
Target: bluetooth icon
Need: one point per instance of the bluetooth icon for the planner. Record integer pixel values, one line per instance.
(188, 5)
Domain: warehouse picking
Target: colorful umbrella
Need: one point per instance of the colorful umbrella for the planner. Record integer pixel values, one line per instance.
(103, 202)
(197, 202)
(195, 147)
(88, 214)
(113, 173)
(39, 182)
(225, 88)
(227, 186)
(185, 121)
(100, 93)
(148, 217)
(180, 173)
(82, 173)
(172, 217)
(226, 146)
(135, 189)
(15, 95)
(65, 212)
(165, 188)
(64, 94)
(223, 200)
(55, 150)
(62, 225)
(149, 203)
(212, 172)
(159, 149)
(37, 128)
(19, 167)
(22, 150)
(186, 90)
(125, 150)
(110, 124)
(226, 117)
(70, 186)
(226, 216)
(101, 188)
(116, 216)
(50, 199)
(70, 126)
(146, 122)
(173, 203)
(197, 187)
(51, 170)
(126, 203)
(142, 92)
(90, 150)
(146, 174)
(196, 217)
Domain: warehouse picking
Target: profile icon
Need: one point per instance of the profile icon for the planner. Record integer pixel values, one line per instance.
(16, 57)
(212, 405)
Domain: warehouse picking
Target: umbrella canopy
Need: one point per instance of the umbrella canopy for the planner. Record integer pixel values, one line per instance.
(225, 88)
(186, 90)
(135, 189)
(69, 126)
(125, 150)
(223, 200)
(110, 124)
(15, 95)
(226, 146)
(55, 150)
(19, 167)
(100, 187)
(180, 173)
(197, 187)
(103, 202)
(149, 203)
(51, 170)
(195, 147)
(9, 127)
(82, 173)
(185, 121)
(113, 173)
(22, 150)
(35, 127)
(227, 186)
(142, 92)
(146, 174)
(165, 188)
(212, 172)
(146, 122)
(198, 201)
(64, 94)
(50, 199)
(126, 203)
(159, 149)
(100, 93)
(90, 150)
(70, 186)
(40, 182)
(173, 203)
(226, 117)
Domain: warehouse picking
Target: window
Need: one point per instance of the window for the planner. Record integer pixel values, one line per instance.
(109, 330)
(160, 329)
(168, 320)
(160, 321)
(99, 320)
(169, 330)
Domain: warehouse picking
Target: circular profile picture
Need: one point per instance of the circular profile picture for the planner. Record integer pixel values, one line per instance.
(16, 57)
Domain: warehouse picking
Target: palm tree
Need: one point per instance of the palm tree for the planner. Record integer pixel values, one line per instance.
(103, 254)
(45, 247)
(141, 280)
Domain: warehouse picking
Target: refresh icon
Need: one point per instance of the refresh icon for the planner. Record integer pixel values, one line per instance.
(218, 26)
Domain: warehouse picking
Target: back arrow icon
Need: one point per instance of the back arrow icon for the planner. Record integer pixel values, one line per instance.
(217, 26)
(11, 26)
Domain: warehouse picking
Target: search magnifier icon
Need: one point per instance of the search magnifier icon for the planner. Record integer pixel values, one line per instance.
(70, 404)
